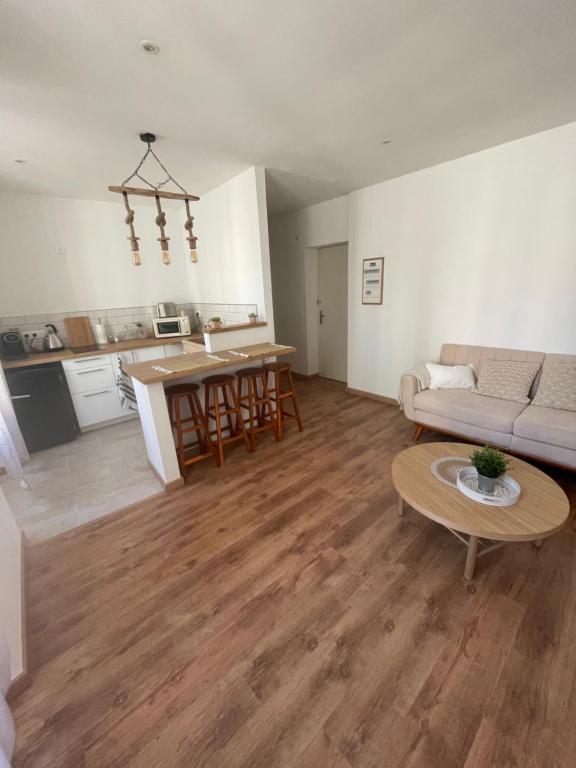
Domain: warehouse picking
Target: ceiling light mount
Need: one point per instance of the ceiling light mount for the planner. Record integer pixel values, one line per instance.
(148, 138)
(149, 47)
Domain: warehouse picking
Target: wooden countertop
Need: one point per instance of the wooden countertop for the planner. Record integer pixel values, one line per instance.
(38, 358)
(179, 366)
(235, 327)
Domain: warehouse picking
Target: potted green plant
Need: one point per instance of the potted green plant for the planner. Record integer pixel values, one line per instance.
(490, 463)
(252, 317)
(215, 322)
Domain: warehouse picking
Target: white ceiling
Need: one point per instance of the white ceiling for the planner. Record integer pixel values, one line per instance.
(306, 88)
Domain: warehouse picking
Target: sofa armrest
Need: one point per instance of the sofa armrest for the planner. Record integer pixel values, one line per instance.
(411, 383)
(408, 388)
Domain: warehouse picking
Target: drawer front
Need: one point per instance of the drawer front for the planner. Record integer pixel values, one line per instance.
(93, 361)
(86, 380)
(97, 406)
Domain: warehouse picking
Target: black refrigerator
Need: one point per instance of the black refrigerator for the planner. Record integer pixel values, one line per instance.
(43, 405)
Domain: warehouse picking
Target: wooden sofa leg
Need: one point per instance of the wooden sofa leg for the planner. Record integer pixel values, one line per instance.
(417, 433)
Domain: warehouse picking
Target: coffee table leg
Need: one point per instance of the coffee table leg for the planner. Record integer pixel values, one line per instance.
(401, 506)
(471, 557)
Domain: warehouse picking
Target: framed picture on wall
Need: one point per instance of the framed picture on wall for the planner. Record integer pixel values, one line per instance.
(373, 280)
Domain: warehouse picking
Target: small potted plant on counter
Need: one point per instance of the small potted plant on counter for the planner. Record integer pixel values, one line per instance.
(215, 322)
(252, 317)
(490, 463)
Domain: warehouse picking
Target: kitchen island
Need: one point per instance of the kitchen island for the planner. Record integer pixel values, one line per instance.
(148, 379)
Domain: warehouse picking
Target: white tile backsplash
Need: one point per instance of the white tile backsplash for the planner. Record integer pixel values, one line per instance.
(121, 322)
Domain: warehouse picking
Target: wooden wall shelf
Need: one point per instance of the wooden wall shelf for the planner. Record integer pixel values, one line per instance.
(235, 327)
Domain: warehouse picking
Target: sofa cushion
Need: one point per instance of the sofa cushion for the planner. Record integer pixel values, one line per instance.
(470, 408)
(450, 376)
(507, 379)
(557, 386)
(547, 425)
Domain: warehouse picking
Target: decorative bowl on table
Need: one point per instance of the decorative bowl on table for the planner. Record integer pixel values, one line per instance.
(506, 492)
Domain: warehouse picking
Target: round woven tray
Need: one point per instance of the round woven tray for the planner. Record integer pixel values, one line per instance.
(446, 468)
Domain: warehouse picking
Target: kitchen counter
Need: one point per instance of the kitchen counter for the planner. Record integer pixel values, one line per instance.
(149, 378)
(235, 327)
(180, 366)
(38, 358)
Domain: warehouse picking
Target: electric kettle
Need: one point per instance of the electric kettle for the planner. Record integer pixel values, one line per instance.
(52, 342)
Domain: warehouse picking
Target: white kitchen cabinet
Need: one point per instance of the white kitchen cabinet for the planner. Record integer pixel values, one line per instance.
(96, 407)
(88, 379)
(78, 363)
(171, 350)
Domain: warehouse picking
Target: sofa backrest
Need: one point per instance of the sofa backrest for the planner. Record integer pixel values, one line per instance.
(464, 354)
(558, 357)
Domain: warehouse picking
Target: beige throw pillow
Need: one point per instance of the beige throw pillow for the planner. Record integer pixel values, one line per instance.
(557, 386)
(507, 379)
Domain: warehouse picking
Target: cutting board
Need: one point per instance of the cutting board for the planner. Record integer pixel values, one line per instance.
(80, 333)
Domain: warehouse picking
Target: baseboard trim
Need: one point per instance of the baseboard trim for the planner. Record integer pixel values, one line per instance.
(177, 483)
(372, 396)
(305, 375)
(18, 686)
(22, 681)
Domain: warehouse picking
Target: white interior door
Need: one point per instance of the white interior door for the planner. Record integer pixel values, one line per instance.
(333, 311)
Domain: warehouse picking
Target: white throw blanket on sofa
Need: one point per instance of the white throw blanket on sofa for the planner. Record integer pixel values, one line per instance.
(422, 377)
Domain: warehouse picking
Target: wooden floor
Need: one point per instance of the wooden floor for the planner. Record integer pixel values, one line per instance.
(277, 612)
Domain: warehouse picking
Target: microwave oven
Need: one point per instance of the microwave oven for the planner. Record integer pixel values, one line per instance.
(165, 327)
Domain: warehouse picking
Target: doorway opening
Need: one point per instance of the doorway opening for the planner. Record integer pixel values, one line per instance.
(330, 315)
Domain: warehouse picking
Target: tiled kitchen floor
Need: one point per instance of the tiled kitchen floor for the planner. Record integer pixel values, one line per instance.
(98, 473)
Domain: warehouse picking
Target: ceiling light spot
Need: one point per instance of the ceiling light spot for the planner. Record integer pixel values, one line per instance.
(150, 47)
(386, 141)
(19, 161)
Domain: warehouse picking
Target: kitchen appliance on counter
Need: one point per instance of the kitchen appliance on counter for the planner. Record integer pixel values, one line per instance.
(12, 346)
(166, 309)
(52, 342)
(43, 405)
(165, 327)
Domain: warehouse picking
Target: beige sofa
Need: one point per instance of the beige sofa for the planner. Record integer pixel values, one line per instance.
(547, 434)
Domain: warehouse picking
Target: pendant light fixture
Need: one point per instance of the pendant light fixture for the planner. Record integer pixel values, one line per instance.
(158, 193)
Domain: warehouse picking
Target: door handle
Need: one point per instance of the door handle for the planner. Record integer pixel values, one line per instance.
(322, 316)
(19, 397)
(94, 370)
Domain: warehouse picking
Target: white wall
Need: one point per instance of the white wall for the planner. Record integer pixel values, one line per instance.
(293, 240)
(11, 586)
(233, 252)
(64, 255)
(480, 250)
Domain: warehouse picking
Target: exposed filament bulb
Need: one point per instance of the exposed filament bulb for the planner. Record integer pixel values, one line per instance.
(136, 258)
(193, 255)
(166, 257)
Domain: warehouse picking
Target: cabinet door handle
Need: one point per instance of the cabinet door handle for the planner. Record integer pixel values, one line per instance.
(94, 370)
(93, 394)
(86, 360)
(19, 397)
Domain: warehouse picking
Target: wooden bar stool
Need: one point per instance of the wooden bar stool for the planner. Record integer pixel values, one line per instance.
(228, 407)
(257, 402)
(279, 395)
(177, 396)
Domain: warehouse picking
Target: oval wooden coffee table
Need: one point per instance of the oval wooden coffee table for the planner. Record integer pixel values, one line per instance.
(541, 511)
